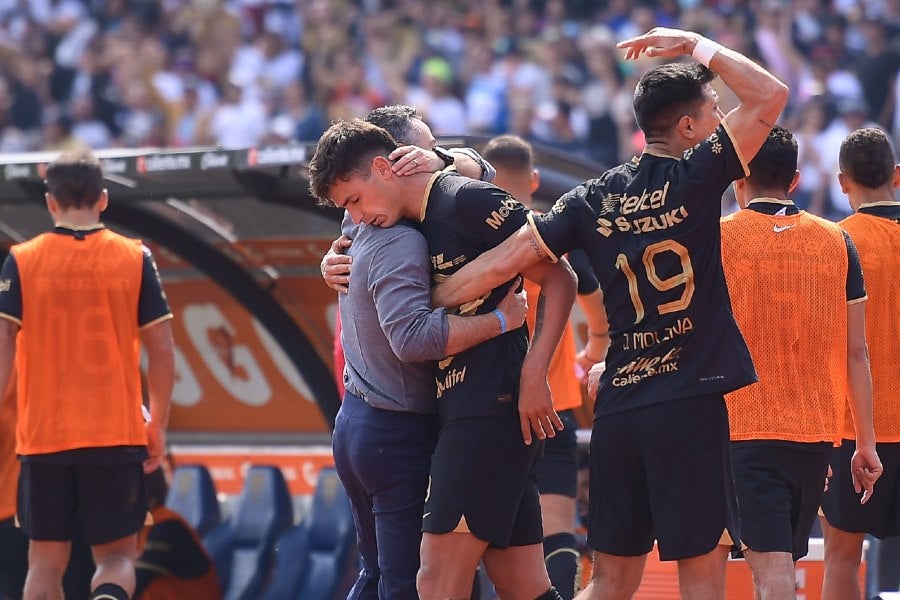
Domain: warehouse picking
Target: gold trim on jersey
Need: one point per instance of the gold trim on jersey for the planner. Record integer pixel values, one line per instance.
(11, 318)
(165, 317)
(91, 227)
(856, 300)
(880, 203)
(737, 149)
(425, 197)
(539, 240)
(768, 200)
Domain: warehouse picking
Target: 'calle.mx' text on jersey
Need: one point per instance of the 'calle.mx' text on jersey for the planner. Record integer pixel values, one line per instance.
(651, 230)
(461, 219)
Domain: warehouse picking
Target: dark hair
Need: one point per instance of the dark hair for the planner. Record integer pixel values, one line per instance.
(511, 152)
(775, 164)
(668, 92)
(866, 157)
(395, 119)
(345, 149)
(75, 179)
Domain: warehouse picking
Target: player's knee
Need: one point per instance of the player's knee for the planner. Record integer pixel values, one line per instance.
(426, 581)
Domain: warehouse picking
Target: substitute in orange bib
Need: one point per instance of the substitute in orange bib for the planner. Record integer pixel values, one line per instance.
(82, 300)
(797, 293)
(869, 176)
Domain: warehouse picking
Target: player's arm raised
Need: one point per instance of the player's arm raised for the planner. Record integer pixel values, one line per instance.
(762, 96)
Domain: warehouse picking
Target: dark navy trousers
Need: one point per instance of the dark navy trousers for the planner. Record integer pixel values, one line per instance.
(383, 458)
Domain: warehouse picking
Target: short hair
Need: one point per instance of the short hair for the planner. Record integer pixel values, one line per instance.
(511, 152)
(75, 179)
(866, 157)
(668, 92)
(395, 119)
(345, 149)
(775, 164)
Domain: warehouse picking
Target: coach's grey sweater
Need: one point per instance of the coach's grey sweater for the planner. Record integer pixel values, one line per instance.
(390, 334)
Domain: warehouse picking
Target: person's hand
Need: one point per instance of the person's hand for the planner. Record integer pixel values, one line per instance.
(866, 469)
(593, 383)
(335, 265)
(828, 476)
(660, 42)
(583, 365)
(156, 447)
(409, 160)
(514, 307)
(536, 414)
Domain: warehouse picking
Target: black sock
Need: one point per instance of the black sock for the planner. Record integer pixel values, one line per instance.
(109, 591)
(550, 594)
(561, 558)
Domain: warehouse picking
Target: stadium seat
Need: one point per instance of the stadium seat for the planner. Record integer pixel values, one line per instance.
(318, 559)
(193, 496)
(242, 546)
(882, 566)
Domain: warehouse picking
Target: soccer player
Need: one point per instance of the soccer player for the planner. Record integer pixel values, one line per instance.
(868, 176)
(513, 160)
(481, 490)
(660, 466)
(82, 301)
(390, 400)
(797, 293)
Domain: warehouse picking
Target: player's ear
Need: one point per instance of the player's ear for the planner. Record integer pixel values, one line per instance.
(794, 182)
(896, 176)
(382, 166)
(535, 181)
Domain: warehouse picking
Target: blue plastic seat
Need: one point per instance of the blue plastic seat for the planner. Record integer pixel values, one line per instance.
(242, 546)
(318, 559)
(193, 496)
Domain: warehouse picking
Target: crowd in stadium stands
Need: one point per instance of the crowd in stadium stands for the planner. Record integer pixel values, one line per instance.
(107, 73)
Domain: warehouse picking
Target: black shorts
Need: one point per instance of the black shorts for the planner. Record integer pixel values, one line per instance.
(662, 472)
(13, 559)
(880, 515)
(779, 486)
(109, 501)
(483, 480)
(557, 470)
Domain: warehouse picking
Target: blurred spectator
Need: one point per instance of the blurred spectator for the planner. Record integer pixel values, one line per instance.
(435, 99)
(853, 114)
(162, 72)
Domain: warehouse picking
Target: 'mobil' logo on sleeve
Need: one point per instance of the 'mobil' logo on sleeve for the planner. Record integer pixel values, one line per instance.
(497, 217)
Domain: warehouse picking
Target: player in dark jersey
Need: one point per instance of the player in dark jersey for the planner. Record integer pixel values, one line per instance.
(869, 176)
(482, 501)
(660, 465)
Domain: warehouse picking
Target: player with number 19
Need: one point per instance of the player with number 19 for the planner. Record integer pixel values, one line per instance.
(660, 464)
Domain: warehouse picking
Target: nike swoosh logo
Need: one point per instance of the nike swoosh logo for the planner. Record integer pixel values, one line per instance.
(778, 229)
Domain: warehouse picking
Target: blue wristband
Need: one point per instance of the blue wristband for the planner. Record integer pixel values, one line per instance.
(502, 320)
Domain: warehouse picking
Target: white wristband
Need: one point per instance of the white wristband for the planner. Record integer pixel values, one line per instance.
(705, 50)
